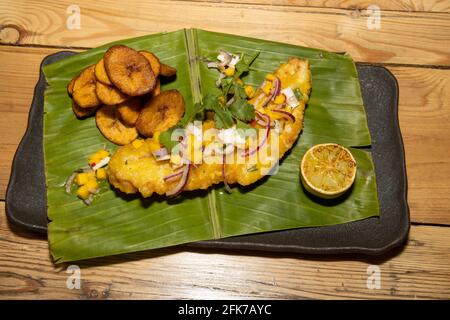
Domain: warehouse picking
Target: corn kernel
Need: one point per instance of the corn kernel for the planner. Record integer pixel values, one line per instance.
(229, 72)
(81, 178)
(267, 87)
(249, 91)
(101, 174)
(239, 81)
(137, 143)
(102, 153)
(94, 159)
(175, 158)
(270, 77)
(83, 192)
(92, 185)
(156, 137)
(280, 99)
(90, 175)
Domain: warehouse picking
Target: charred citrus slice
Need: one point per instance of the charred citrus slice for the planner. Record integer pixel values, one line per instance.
(328, 170)
(129, 70)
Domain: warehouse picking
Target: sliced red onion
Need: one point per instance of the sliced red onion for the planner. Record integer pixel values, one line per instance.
(276, 87)
(89, 200)
(69, 181)
(285, 114)
(181, 184)
(161, 154)
(213, 64)
(268, 121)
(174, 176)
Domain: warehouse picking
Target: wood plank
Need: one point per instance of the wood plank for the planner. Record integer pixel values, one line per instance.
(424, 121)
(420, 271)
(424, 117)
(412, 38)
(393, 5)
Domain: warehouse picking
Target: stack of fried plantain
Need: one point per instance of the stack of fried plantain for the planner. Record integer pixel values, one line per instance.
(118, 89)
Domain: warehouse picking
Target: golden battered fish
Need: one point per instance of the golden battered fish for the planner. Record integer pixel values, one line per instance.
(134, 167)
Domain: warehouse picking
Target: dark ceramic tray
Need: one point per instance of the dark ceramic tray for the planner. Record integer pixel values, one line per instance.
(26, 203)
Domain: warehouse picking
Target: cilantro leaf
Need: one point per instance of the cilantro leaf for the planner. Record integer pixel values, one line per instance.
(243, 65)
(223, 118)
(242, 110)
(165, 138)
(190, 114)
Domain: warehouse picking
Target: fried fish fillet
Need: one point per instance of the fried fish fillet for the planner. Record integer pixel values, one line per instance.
(134, 169)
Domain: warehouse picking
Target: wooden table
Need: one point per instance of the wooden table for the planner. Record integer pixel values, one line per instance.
(413, 42)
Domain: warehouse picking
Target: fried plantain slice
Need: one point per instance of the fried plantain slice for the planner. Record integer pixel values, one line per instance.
(108, 122)
(85, 77)
(70, 86)
(100, 73)
(160, 113)
(82, 113)
(167, 71)
(85, 97)
(109, 95)
(129, 111)
(157, 89)
(129, 70)
(153, 60)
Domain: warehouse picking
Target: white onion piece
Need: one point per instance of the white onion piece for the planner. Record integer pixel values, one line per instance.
(101, 163)
(291, 99)
(161, 154)
(224, 57)
(213, 64)
(234, 60)
(181, 184)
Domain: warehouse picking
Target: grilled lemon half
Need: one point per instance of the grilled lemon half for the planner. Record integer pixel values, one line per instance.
(328, 170)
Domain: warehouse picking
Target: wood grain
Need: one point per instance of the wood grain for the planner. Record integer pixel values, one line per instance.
(419, 38)
(396, 5)
(424, 121)
(420, 271)
(424, 117)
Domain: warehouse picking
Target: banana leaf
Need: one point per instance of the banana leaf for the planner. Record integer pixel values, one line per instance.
(116, 223)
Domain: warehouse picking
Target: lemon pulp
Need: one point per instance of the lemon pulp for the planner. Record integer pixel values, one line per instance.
(328, 170)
